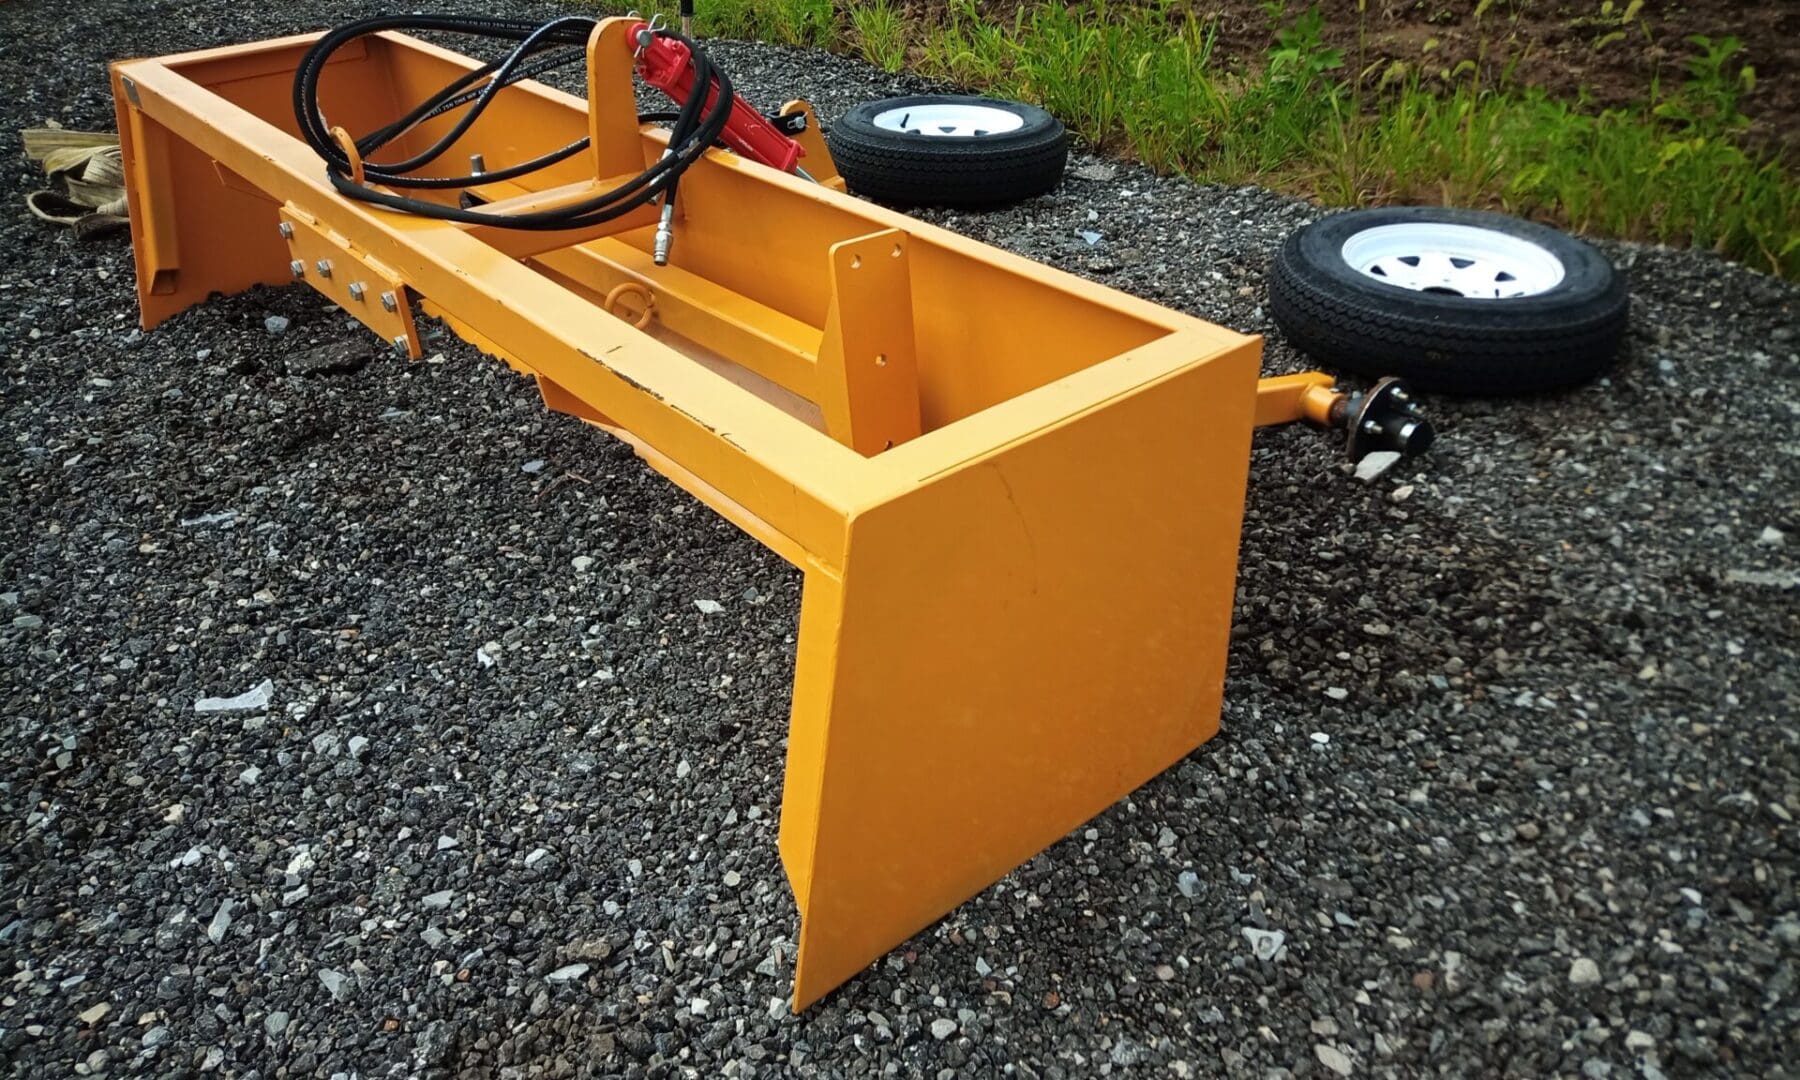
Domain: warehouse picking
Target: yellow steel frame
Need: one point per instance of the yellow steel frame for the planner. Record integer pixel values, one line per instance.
(1015, 495)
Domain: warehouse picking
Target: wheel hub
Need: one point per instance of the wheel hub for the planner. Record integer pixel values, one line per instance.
(1453, 260)
(957, 121)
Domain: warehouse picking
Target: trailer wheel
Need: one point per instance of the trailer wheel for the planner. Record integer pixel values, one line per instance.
(1453, 301)
(939, 150)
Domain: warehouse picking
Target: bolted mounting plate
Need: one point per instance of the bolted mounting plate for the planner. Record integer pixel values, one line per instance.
(357, 283)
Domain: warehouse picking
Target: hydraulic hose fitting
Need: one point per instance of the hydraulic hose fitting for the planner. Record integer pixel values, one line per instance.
(665, 224)
(665, 232)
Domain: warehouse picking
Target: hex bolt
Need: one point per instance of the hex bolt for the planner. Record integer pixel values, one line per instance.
(286, 230)
(1400, 395)
(400, 343)
(298, 267)
(324, 268)
(390, 301)
(356, 290)
(1371, 427)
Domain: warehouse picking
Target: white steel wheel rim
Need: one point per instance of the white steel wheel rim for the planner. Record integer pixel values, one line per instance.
(949, 120)
(1453, 260)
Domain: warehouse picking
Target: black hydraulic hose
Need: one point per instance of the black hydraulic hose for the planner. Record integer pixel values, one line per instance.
(695, 127)
(485, 98)
(457, 94)
(306, 79)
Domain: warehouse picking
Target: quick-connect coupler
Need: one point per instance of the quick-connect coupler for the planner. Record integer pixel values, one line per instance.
(665, 231)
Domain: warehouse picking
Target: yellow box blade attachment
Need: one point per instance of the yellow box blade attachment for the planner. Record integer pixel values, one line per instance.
(1015, 495)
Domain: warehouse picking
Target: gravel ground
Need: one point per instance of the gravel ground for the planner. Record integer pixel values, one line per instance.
(1507, 783)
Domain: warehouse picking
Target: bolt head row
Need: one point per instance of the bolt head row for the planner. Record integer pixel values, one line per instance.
(358, 290)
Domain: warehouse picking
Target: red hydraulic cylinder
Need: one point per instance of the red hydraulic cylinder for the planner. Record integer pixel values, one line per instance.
(668, 65)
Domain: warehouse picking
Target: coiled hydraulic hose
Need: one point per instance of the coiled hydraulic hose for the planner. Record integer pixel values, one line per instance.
(541, 48)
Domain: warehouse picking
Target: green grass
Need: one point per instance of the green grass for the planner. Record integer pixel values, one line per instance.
(1676, 170)
(790, 22)
(1145, 79)
(880, 34)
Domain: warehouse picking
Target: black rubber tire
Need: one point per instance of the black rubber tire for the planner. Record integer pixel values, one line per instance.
(909, 169)
(1344, 318)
